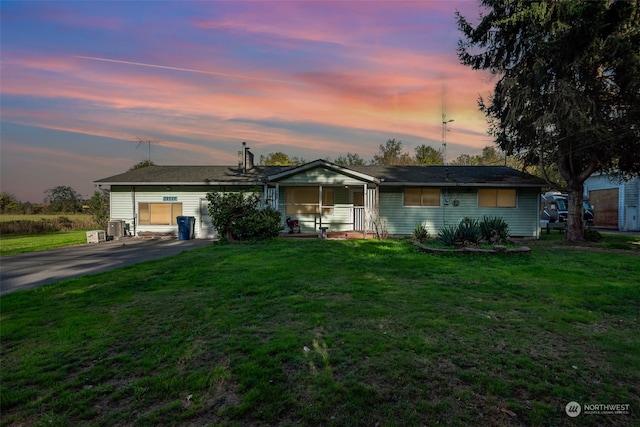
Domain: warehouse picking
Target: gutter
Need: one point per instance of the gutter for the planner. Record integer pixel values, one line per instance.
(457, 184)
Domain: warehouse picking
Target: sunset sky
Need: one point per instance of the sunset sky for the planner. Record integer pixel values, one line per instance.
(82, 81)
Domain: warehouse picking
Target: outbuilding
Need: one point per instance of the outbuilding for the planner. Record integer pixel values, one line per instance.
(616, 202)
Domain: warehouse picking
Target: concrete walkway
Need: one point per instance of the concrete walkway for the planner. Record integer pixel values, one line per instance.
(33, 269)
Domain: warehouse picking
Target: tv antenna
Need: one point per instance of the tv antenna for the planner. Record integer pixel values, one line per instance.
(148, 142)
(445, 122)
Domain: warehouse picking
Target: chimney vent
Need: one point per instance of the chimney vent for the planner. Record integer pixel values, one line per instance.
(245, 158)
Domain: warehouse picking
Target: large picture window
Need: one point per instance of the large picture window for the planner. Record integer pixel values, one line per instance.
(497, 198)
(305, 200)
(158, 213)
(421, 197)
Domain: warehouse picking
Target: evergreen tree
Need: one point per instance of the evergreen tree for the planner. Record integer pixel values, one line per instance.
(568, 88)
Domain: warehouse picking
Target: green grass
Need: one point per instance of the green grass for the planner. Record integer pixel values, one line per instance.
(40, 217)
(11, 244)
(317, 332)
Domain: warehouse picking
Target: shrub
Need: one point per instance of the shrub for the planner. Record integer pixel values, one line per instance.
(240, 216)
(420, 233)
(592, 235)
(494, 229)
(259, 225)
(379, 226)
(467, 233)
(447, 235)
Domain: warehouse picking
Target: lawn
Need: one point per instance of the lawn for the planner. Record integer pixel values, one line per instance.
(11, 244)
(317, 332)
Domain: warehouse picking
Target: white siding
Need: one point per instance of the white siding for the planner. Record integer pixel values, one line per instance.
(125, 199)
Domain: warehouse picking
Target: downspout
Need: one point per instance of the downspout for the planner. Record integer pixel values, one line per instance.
(365, 212)
(265, 195)
(320, 203)
(638, 207)
(622, 211)
(133, 207)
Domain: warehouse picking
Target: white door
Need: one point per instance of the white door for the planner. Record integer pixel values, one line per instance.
(206, 227)
(631, 214)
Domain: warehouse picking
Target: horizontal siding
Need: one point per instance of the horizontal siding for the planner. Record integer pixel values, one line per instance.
(600, 182)
(402, 220)
(122, 204)
(321, 176)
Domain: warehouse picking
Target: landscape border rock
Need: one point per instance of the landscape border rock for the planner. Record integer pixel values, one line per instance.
(497, 249)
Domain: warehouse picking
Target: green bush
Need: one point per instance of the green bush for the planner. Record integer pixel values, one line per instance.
(494, 229)
(420, 233)
(467, 233)
(447, 235)
(240, 216)
(592, 235)
(259, 225)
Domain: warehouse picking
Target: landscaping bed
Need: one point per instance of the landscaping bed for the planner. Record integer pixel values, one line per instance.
(494, 250)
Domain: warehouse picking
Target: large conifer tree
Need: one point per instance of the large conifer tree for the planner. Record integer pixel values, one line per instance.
(568, 87)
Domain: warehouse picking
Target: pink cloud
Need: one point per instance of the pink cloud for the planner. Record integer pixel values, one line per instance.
(396, 89)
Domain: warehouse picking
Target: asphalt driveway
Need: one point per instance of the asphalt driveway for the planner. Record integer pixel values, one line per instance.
(33, 269)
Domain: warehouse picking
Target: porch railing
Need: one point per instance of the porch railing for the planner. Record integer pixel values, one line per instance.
(346, 216)
(358, 218)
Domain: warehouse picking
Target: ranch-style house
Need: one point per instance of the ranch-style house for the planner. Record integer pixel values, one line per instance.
(321, 194)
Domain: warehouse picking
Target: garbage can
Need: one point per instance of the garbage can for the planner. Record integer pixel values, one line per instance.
(186, 227)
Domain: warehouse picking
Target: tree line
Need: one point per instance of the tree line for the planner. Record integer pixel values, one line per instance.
(393, 152)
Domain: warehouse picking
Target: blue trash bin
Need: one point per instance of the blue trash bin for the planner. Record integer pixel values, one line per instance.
(186, 227)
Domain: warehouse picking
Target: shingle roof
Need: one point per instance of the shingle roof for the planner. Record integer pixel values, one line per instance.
(388, 175)
(194, 175)
(451, 175)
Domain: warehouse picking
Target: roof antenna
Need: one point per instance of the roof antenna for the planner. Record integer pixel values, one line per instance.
(148, 142)
(444, 129)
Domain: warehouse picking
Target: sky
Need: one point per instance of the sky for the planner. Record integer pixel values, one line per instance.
(82, 82)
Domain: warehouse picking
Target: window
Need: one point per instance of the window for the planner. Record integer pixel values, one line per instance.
(304, 200)
(421, 197)
(497, 198)
(158, 213)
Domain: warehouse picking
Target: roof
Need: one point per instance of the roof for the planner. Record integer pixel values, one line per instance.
(441, 176)
(452, 176)
(192, 175)
(322, 164)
